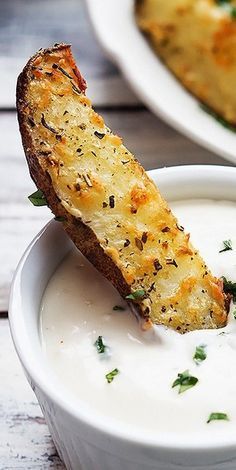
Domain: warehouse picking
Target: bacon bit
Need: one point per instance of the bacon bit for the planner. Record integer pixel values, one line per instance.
(138, 243)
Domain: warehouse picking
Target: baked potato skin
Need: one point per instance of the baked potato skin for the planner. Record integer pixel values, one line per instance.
(83, 237)
(197, 41)
(110, 208)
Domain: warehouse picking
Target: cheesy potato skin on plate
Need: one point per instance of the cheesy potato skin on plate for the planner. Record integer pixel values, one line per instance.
(197, 41)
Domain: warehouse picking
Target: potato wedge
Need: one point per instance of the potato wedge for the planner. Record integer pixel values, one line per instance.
(197, 41)
(108, 205)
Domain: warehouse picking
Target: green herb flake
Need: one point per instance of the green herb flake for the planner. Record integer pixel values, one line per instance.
(227, 246)
(226, 5)
(229, 288)
(200, 354)
(60, 219)
(217, 416)
(119, 308)
(185, 381)
(111, 375)
(218, 118)
(38, 198)
(136, 295)
(99, 344)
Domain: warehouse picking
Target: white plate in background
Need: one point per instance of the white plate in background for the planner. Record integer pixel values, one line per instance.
(116, 30)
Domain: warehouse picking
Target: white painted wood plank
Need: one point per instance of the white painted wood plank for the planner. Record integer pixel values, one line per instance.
(25, 442)
(27, 26)
(152, 141)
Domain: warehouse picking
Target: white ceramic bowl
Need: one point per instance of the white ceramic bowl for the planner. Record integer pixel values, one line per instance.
(84, 440)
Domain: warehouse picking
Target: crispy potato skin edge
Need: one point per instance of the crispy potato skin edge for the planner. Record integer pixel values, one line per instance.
(83, 236)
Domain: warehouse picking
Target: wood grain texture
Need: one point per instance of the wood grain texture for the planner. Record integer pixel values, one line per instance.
(26, 26)
(25, 442)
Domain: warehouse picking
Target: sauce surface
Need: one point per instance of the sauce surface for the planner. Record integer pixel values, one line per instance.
(77, 307)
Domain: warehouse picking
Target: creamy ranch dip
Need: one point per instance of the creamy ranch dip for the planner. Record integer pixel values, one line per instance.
(77, 307)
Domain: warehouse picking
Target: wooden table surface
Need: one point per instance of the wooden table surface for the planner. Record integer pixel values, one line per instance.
(25, 26)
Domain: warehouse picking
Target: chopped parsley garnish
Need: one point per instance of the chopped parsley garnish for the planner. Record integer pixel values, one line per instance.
(227, 246)
(136, 295)
(229, 288)
(110, 376)
(226, 4)
(118, 307)
(200, 354)
(99, 344)
(60, 219)
(217, 416)
(38, 198)
(185, 381)
(218, 118)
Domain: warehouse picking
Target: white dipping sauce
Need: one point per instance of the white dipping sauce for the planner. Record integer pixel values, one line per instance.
(78, 306)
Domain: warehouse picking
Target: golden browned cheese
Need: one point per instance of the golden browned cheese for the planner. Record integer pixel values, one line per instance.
(109, 206)
(197, 41)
